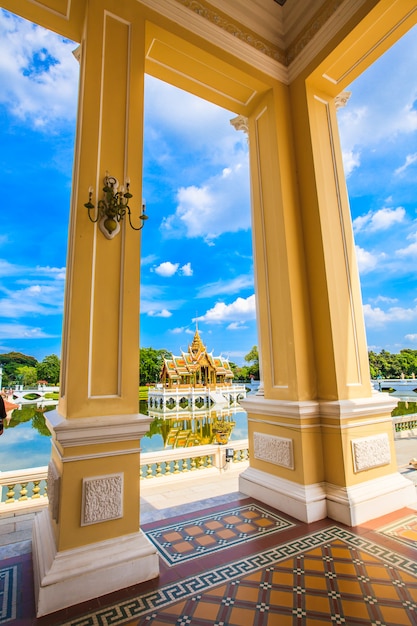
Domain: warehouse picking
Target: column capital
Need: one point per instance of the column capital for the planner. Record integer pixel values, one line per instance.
(342, 99)
(240, 122)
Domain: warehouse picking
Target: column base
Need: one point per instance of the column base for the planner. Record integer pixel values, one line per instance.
(357, 504)
(73, 576)
(306, 503)
(351, 506)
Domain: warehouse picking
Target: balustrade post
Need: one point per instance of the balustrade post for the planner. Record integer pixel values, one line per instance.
(10, 494)
(36, 489)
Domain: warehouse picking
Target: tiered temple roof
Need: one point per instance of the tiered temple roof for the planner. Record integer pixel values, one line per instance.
(197, 366)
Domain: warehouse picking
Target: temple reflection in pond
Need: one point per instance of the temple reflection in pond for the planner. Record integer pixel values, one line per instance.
(184, 429)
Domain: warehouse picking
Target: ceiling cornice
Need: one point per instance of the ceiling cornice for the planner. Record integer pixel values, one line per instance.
(225, 22)
(284, 62)
(284, 54)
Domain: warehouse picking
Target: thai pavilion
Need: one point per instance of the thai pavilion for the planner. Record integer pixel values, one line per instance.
(321, 441)
(196, 367)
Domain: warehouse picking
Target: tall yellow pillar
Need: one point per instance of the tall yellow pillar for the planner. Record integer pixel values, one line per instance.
(89, 543)
(321, 441)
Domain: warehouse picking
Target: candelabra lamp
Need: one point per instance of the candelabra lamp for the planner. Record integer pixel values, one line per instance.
(114, 206)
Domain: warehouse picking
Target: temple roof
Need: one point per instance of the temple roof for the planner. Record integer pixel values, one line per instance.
(177, 367)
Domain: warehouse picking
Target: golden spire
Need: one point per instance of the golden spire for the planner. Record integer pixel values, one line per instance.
(197, 346)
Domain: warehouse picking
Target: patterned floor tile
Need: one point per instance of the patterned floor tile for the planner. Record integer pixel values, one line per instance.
(8, 593)
(204, 535)
(330, 576)
(404, 530)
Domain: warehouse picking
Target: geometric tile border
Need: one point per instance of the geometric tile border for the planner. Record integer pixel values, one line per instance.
(204, 535)
(8, 593)
(195, 586)
(404, 530)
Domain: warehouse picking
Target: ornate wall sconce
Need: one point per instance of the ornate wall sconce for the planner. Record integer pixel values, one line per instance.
(113, 208)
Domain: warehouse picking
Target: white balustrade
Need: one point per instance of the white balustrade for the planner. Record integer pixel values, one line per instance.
(26, 489)
(23, 489)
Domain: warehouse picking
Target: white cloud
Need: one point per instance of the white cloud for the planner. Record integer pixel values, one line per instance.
(411, 337)
(162, 313)
(375, 113)
(409, 160)
(148, 260)
(384, 299)
(9, 269)
(199, 125)
(366, 260)
(186, 270)
(22, 331)
(167, 269)
(226, 286)
(33, 300)
(236, 326)
(383, 219)
(411, 249)
(218, 206)
(377, 317)
(31, 290)
(181, 330)
(351, 160)
(150, 305)
(241, 310)
(38, 72)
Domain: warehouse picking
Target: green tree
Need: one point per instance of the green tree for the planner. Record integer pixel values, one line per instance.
(49, 369)
(10, 362)
(253, 358)
(27, 375)
(387, 365)
(150, 363)
(240, 373)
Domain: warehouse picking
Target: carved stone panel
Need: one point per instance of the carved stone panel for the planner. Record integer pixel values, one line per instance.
(102, 499)
(277, 450)
(369, 452)
(53, 483)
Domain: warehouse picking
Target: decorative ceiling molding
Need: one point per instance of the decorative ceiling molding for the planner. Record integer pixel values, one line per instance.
(223, 21)
(285, 57)
(311, 29)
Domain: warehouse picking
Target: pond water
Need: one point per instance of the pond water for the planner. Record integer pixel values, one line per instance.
(26, 440)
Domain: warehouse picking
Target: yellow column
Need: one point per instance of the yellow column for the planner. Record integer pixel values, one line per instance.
(90, 542)
(360, 470)
(321, 442)
(286, 456)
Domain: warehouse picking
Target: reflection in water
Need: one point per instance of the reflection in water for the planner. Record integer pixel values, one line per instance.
(184, 431)
(405, 407)
(181, 428)
(30, 413)
(29, 445)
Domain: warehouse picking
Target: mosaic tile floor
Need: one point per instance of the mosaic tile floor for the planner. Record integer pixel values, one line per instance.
(191, 539)
(296, 574)
(16, 591)
(404, 530)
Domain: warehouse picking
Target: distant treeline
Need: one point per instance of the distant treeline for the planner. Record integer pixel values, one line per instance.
(20, 369)
(26, 370)
(389, 365)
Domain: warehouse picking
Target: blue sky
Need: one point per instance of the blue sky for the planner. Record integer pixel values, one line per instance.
(196, 246)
